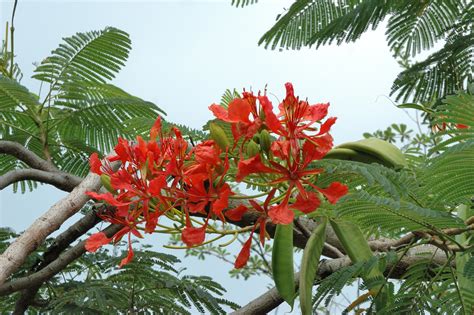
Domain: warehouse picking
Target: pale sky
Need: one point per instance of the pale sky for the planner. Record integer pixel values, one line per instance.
(186, 54)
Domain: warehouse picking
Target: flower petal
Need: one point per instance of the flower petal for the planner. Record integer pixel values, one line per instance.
(326, 126)
(281, 214)
(251, 166)
(192, 236)
(95, 164)
(318, 111)
(270, 118)
(95, 241)
(335, 191)
(107, 197)
(156, 129)
(307, 205)
(236, 213)
(220, 112)
(244, 254)
(130, 254)
(239, 111)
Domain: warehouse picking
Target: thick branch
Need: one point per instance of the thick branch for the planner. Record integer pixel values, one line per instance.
(61, 180)
(60, 243)
(53, 268)
(20, 152)
(271, 299)
(15, 255)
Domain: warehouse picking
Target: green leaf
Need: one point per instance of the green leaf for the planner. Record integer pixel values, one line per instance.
(93, 56)
(282, 262)
(309, 266)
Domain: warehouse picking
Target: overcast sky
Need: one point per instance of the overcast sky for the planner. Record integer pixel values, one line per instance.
(186, 54)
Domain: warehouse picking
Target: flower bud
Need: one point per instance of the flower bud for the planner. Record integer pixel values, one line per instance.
(252, 148)
(265, 141)
(219, 136)
(105, 180)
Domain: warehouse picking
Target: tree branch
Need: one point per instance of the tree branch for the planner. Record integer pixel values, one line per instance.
(61, 180)
(271, 299)
(15, 255)
(53, 268)
(60, 243)
(20, 152)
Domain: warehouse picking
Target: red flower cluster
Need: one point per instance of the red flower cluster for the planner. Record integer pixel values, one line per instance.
(166, 175)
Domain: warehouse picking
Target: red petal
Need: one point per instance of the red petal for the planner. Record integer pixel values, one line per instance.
(130, 255)
(326, 126)
(318, 111)
(270, 118)
(239, 111)
(156, 185)
(461, 126)
(193, 236)
(220, 112)
(156, 129)
(207, 153)
(95, 164)
(236, 213)
(280, 148)
(251, 166)
(335, 191)
(281, 214)
(95, 241)
(244, 254)
(107, 197)
(289, 90)
(307, 205)
(223, 200)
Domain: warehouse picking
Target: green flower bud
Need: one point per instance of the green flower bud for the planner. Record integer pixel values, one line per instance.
(252, 148)
(219, 136)
(265, 141)
(105, 180)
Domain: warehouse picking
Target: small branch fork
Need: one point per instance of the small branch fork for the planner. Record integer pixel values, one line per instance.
(41, 170)
(58, 256)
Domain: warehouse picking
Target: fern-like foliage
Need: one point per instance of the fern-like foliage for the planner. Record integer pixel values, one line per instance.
(243, 3)
(151, 283)
(413, 27)
(82, 112)
(93, 56)
(455, 118)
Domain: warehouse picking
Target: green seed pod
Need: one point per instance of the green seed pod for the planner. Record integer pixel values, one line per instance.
(219, 136)
(105, 180)
(265, 141)
(256, 138)
(252, 148)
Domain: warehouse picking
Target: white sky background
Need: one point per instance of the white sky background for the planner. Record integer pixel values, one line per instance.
(185, 54)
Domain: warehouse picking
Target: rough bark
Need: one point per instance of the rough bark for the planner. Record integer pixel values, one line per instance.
(15, 255)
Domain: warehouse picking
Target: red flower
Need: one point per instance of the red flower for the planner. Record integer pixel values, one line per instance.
(95, 164)
(236, 214)
(129, 256)
(193, 236)
(95, 241)
(244, 254)
(297, 119)
(238, 114)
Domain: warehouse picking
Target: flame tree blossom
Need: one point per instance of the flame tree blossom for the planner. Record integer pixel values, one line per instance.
(166, 176)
